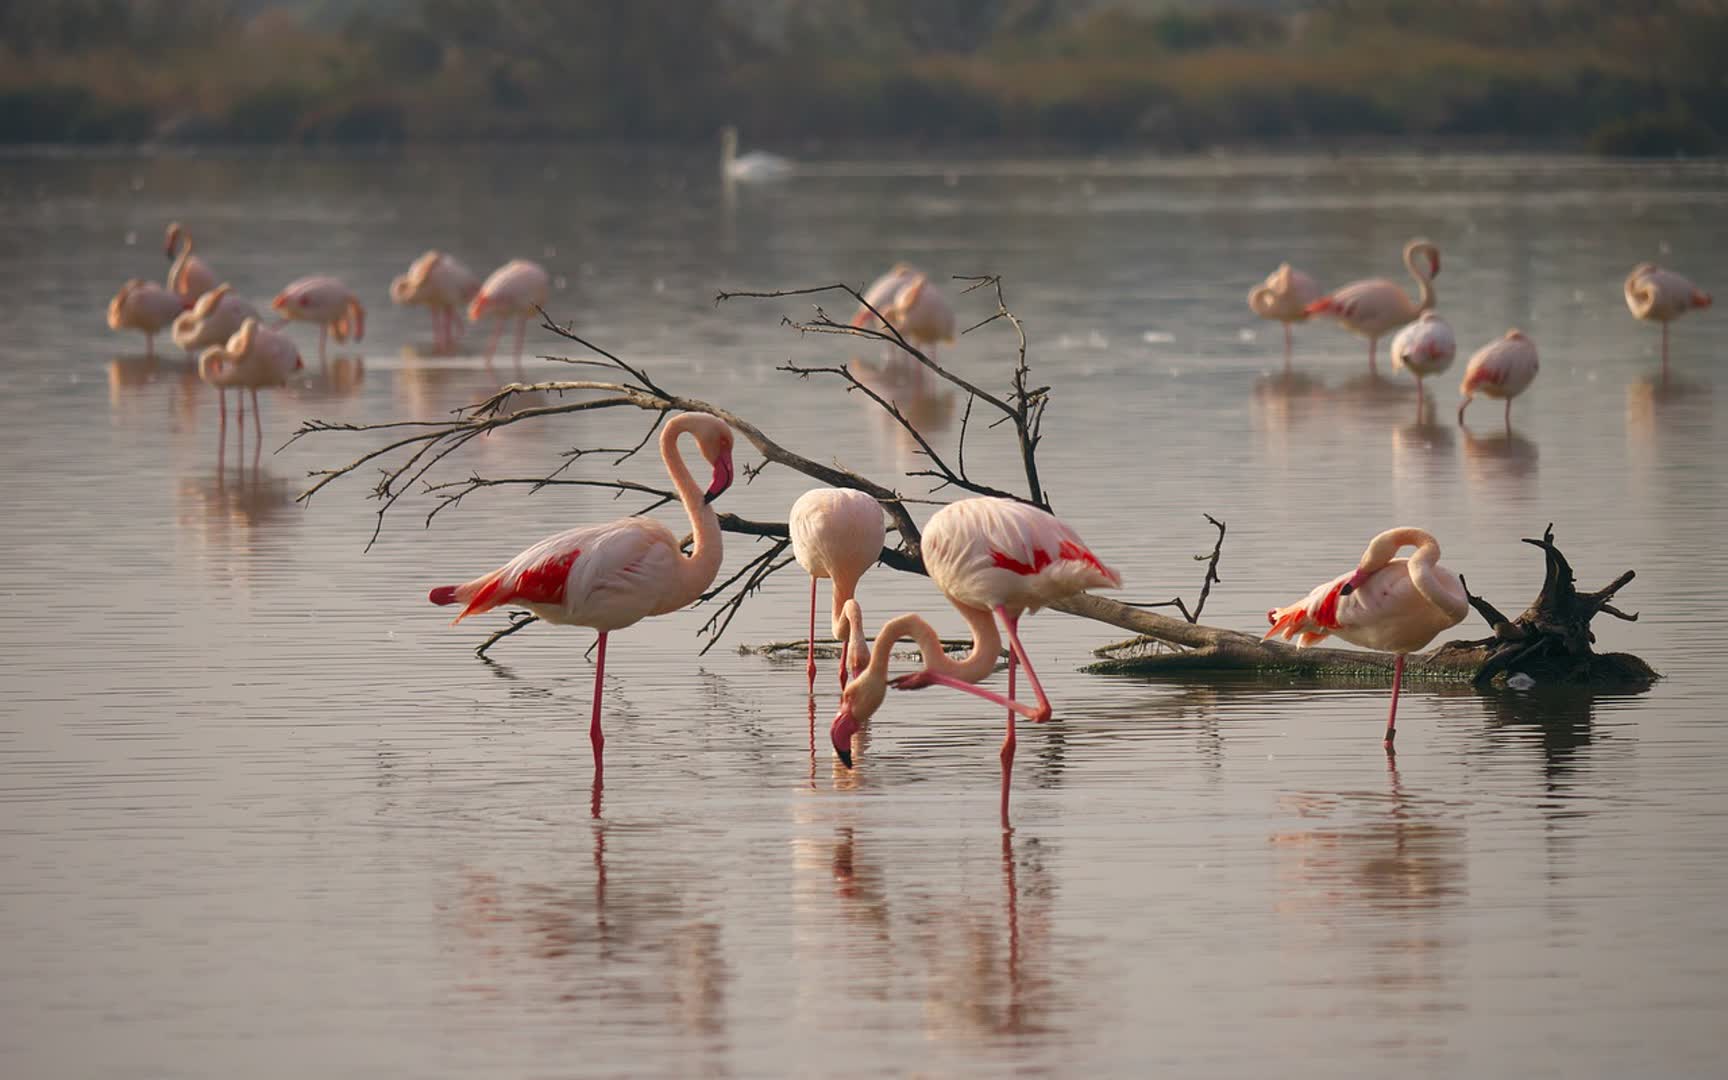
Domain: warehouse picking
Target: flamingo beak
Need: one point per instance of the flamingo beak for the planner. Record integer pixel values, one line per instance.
(1434, 264)
(722, 478)
(845, 726)
(280, 303)
(1355, 581)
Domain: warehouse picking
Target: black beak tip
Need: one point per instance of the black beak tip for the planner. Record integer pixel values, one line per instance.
(710, 497)
(1347, 589)
(845, 757)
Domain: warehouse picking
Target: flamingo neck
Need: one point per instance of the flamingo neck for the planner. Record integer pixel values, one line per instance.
(699, 567)
(1260, 301)
(849, 628)
(1382, 548)
(974, 667)
(1424, 282)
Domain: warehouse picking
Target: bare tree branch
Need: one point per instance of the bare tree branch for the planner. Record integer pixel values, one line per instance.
(1211, 562)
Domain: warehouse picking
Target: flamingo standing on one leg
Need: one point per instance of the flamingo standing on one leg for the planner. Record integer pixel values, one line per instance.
(516, 290)
(1377, 307)
(610, 576)
(146, 307)
(1425, 347)
(188, 275)
(1394, 605)
(1500, 369)
(1284, 297)
(837, 533)
(916, 308)
(326, 301)
(439, 282)
(216, 317)
(253, 357)
(1657, 295)
(986, 555)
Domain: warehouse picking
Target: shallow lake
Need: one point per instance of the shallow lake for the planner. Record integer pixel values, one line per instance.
(266, 814)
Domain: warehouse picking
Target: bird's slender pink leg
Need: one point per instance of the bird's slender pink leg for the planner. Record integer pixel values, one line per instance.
(1288, 343)
(1012, 623)
(595, 736)
(1373, 347)
(150, 344)
(1011, 666)
(1508, 416)
(521, 333)
(1392, 717)
(933, 679)
(1007, 756)
(492, 342)
(810, 666)
(1664, 352)
(257, 429)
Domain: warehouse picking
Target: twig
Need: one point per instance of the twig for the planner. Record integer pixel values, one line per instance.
(519, 620)
(1211, 562)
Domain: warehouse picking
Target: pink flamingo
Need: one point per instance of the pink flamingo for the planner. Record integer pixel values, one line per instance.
(1657, 295)
(1500, 369)
(216, 317)
(255, 356)
(1377, 307)
(837, 533)
(916, 308)
(1284, 297)
(146, 307)
(326, 301)
(1394, 605)
(440, 283)
(986, 555)
(1425, 347)
(607, 577)
(188, 275)
(518, 289)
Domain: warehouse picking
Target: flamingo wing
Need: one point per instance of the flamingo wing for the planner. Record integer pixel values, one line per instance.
(989, 551)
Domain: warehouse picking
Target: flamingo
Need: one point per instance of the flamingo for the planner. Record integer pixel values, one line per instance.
(440, 282)
(1394, 605)
(1425, 347)
(755, 167)
(516, 289)
(188, 275)
(1284, 297)
(837, 533)
(253, 357)
(215, 318)
(1657, 295)
(143, 306)
(607, 577)
(1377, 307)
(1500, 369)
(917, 308)
(987, 555)
(326, 301)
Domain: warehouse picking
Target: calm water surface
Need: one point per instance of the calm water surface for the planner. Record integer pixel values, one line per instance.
(266, 815)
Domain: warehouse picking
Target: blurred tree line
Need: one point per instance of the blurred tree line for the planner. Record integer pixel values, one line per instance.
(1645, 76)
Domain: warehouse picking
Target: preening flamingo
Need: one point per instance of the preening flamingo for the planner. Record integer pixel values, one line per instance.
(916, 308)
(1425, 347)
(1377, 307)
(1501, 369)
(439, 282)
(518, 289)
(216, 317)
(1394, 605)
(1284, 297)
(986, 555)
(1657, 295)
(146, 307)
(837, 533)
(607, 577)
(756, 166)
(188, 275)
(253, 357)
(326, 301)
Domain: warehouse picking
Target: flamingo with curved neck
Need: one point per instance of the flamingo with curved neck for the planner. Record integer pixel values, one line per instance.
(837, 533)
(1284, 297)
(1376, 307)
(607, 577)
(188, 275)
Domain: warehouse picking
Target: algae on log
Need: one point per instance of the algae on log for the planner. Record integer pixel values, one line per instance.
(1550, 642)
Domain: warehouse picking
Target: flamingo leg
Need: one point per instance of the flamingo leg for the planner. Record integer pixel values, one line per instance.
(933, 679)
(1373, 347)
(1011, 667)
(1508, 416)
(1664, 352)
(1007, 756)
(1288, 343)
(323, 334)
(492, 342)
(595, 736)
(810, 664)
(1392, 716)
(257, 428)
(1012, 623)
(521, 333)
(150, 343)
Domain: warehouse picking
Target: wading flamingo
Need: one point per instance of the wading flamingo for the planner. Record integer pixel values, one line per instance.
(755, 167)
(326, 301)
(837, 533)
(916, 308)
(1500, 369)
(188, 275)
(607, 577)
(216, 317)
(1425, 347)
(146, 307)
(1657, 295)
(439, 282)
(255, 356)
(1284, 297)
(986, 555)
(517, 290)
(1377, 307)
(1394, 605)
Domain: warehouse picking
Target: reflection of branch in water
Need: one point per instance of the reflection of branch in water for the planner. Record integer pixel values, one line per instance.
(1558, 720)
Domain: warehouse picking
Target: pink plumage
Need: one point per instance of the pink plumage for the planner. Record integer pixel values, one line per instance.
(146, 307)
(908, 299)
(991, 553)
(1377, 307)
(516, 290)
(189, 277)
(439, 282)
(326, 301)
(1501, 369)
(837, 533)
(1657, 295)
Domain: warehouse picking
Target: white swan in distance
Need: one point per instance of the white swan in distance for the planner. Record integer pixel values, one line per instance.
(757, 166)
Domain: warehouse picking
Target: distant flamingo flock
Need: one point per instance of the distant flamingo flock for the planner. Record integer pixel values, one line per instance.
(993, 559)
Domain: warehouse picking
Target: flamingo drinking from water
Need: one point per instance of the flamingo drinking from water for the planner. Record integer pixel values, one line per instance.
(1500, 369)
(1394, 605)
(439, 282)
(987, 555)
(1425, 347)
(1377, 307)
(916, 307)
(837, 533)
(216, 317)
(326, 301)
(1284, 297)
(610, 576)
(516, 290)
(1657, 295)
(146, 307)
(188, 275)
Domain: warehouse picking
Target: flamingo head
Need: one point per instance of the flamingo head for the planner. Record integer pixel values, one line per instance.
(858, 703)
(171, 239)
(281, 302)
(714, 439)
(1355, 581)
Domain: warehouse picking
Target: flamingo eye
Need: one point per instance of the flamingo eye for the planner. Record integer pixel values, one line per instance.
(305, 301)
